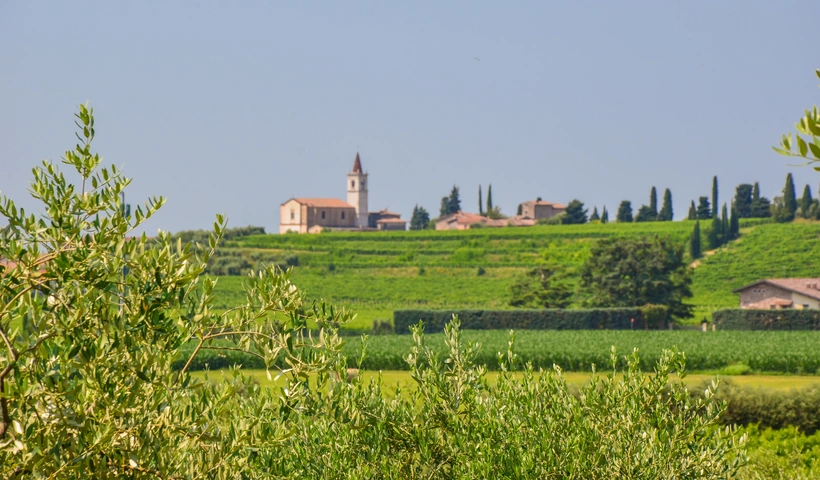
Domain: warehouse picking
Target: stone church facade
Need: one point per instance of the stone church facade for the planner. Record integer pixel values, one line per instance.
(314, 215)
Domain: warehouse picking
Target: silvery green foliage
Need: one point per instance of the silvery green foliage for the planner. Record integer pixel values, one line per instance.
(91, 320)
(455, 424)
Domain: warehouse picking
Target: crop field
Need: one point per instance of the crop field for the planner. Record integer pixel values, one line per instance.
(727, 351)
(374, 273)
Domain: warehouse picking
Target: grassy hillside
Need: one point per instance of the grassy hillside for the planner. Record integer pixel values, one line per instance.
(375, 273)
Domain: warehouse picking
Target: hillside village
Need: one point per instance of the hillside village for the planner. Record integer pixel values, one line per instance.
(317, 215)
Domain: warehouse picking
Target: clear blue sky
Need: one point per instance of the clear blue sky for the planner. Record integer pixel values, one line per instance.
(235, 107)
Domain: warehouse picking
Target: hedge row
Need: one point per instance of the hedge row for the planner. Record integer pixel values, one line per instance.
(741, 319)
(545, 319)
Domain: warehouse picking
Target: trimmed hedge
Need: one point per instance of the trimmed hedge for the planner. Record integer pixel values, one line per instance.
(741, 319)
(544, 319)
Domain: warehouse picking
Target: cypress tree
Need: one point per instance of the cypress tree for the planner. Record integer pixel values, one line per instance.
(714, 196)
(653, 202)
(665, 215)
(489, 197)
(444, 209)
(760, 205)
(604, 215)
(694, 241)
(625, 212)
(725, 227)
(704, 212)
(789, 195)
(743, 200)
(520, 210)
(734, 224)
(693, 214)
(454, 202)
(480, 202)
(594, 215)
(714, 233)
(806, 201)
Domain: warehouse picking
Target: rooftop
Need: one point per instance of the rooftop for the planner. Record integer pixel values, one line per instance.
(323, 202)
(809, 287)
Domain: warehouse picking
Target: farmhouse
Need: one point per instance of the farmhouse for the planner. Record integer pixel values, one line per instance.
(780, 293)
(538, 209)
(314, 215)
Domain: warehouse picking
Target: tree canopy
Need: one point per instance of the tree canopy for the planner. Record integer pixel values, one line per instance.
(575, 213)
(632, 272)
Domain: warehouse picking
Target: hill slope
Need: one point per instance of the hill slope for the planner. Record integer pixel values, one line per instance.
(375, 273)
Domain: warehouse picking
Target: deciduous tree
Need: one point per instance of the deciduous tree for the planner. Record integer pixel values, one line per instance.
(632, 272)
(541, 287)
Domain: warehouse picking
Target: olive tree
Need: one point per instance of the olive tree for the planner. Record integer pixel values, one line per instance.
(92, 318)
(806, 141)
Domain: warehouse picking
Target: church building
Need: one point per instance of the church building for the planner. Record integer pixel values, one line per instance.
(314, 215)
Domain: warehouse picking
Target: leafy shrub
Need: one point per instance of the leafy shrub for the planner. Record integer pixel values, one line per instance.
(545, 319)
(747, 319)
(798, 408)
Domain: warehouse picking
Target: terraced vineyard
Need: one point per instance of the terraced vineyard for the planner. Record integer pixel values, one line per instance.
(374, 273)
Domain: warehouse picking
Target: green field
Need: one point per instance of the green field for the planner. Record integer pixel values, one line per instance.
(374, 273)
(721, 352)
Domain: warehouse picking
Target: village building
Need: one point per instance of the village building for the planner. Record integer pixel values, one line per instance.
(539, 209)
(781, 293)
(315, 215)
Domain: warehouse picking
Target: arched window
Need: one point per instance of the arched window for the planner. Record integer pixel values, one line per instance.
(353, 184)
(323, 215)
(343, 215)
(362, 183)
(292, 215)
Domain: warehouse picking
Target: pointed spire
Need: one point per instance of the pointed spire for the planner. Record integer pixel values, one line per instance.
(357, 164)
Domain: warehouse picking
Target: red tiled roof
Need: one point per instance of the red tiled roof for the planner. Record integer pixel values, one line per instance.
(809, 287)
(357, 164)
(323, 202)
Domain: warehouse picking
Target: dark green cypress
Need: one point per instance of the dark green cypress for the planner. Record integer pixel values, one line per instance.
(665, 215)
(714, 196)
(704, 212)
(734, 224)
(480, 202)
(693, 213)
(725, 227)
(694, 241)
(789, 195)
(489, 198)
(805, 202)
(604, 215)
(594, 215)
(653, 202)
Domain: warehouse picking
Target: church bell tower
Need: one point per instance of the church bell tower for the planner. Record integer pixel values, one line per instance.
(357, 192)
